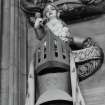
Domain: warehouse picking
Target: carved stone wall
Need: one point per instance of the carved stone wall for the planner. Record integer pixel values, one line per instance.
(93, 88)
(14, 56)
(12, 53)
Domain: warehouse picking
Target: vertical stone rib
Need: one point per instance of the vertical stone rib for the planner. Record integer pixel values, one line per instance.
(13, 54)
(17, 55)
(22, 56)
(5, 52)
(1, 7)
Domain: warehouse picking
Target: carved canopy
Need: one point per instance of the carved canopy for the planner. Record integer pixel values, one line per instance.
(71, 10)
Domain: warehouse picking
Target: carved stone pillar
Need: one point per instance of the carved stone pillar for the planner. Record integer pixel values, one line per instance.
(22, 57)
(5, 34)
(1, 8)
(13, 54)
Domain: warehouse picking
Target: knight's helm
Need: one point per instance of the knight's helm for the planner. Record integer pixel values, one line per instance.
(52, 69)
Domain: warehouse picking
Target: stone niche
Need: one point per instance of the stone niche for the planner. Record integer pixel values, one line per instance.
(93, 88)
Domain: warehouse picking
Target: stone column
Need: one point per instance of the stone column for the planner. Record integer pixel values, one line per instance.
(23, 56)
(4, 85)
(1, 8)
(13, 54)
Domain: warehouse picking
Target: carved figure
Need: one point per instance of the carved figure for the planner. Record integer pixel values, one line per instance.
(52, 24)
